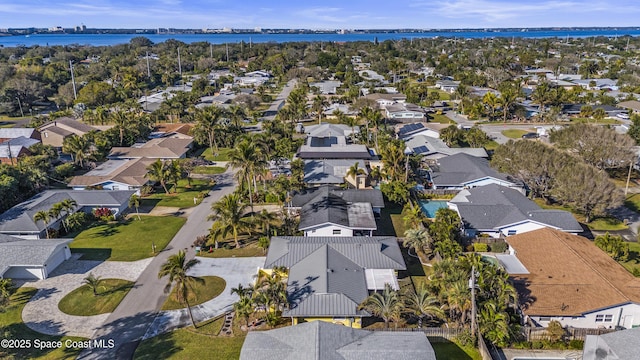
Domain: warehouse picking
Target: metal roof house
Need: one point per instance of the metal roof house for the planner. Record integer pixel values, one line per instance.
(433, 148)
(31, 259)
(329, 141)
(18, 221)
(462, 171)
(330, 276)
(619, 345)
(319, 340)
(497, 211)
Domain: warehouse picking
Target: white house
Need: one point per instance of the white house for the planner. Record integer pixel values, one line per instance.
(566, 278)
(31, 259)
(115, 175)
(404, 111)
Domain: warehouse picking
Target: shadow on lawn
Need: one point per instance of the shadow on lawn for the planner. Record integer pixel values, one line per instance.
(93, 253)
(123, 287)
(448, 350)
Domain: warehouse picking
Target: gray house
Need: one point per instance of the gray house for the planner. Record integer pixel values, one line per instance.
(18, 221)
(319, 340)
(330, 276)
(619, 345)
(461, 171)
(433, 148)
(498, 211)
(29, 259)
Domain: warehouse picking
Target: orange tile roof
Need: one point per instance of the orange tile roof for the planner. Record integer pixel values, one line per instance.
(568, 275)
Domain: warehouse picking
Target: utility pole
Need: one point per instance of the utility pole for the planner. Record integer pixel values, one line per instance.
(179, 64)
(626, 188)
(20, 105)
(227, 46)
(73, 81)
(472, 285)
(148, 67)
(211, 51)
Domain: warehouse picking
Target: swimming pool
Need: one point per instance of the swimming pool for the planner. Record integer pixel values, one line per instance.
(429, 207)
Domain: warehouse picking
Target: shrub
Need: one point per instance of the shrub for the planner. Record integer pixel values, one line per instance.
(576, 344)
(201, 241)
(63, 171)
(499, 247)
(146, 190)
(555, 331)
(465, 338)
(480, 247)
(537, 345)
(76, 220)
(203, 194)
(103, 214)
(271, 198)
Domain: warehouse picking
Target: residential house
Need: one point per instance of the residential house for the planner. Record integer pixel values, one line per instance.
(597, 84)
(31, 260)
(18, 221)
(449, 86)
(329, 277)
(329, 211)
(632, 105)
(407, 131)
(496, 211)
(369, 74)
(384, 100)
(343, 108)
(334, 172)
(14, 133)
(464, 171)
(568, 279)
(433, 148)
(54, 132)
(404, 112)
(319, 340)
(331, 141)
(618, 345)
(13, 148)
(327, 87)
(178, 130)
(115, 175)
(574, 109)
(254, 78)
(163, 148)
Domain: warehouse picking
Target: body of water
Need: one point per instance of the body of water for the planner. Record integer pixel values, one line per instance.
(114, 39)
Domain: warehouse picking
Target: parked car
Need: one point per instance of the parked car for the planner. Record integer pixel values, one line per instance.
(623, 116)
(530, 135)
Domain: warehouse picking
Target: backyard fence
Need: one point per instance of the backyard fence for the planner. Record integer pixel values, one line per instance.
(434, 334)
(540, 334)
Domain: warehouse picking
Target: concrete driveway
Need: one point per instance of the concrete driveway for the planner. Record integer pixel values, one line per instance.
(233, 270)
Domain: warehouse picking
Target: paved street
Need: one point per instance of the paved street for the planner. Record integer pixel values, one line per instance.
(131, 320)
(233, 270)
(278, 102)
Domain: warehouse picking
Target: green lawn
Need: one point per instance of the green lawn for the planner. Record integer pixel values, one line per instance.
(183, 198)
(202, 292)
(189, 343)
(12, 328)
(439, 118)
(247, 250)
(82, 302)
(514, 133)
(222, 154)
(634, 258)
(209, 170)
(491, 145)
(633, 202)
(607, 121)
(452, 351)
(128, 240)
(598, 224)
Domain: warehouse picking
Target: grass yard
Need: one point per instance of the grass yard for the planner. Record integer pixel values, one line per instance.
(209, 170)
(247, 250)
(13, 328)
(202, 292)
(633, 263)
(82, 302)
(183, 197)
(607, 223)
(452, 351)
(605, 121)
(129, 240)
(441, 119)
(190, 343)
(633, 202)
(222, 154)
(390, 222)
(491, 145)
(514, 133)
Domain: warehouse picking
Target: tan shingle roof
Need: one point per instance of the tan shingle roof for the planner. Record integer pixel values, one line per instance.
(163, 148)
(132, 172)
(569, 275)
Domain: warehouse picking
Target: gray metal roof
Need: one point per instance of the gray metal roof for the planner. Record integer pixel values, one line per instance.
(20, 252)
(511, 264)
(493, 206)
(319, 340)
(461, 169)
(12, 133)
(330, 130)
(13, 147)
(372, 196)
(20, 217)
(427, 145)
(349, 151)
(333, 209)
(619, 345)
(329, 171)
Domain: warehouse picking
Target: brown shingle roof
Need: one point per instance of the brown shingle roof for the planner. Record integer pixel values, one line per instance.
(163, 148)
(132, 172)
(183, 129)
(569, 275)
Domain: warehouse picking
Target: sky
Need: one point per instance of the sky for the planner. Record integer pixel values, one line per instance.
(327, 14)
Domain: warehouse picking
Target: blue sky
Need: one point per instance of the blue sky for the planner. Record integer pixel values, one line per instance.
(330, 14)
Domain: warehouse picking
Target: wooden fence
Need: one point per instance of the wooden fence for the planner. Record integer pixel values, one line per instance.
(539, 334)
(434, 334)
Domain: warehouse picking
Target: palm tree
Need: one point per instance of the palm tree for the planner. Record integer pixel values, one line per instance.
(242, 291)
(121, 123)
(77, 147)
(418, 239)
(461, 93)
(459, 300)
(237, 114)
(319, 102)
(385, 305)
(174, 173)
(263, 243)
(157, 171)
(44, 217)
(354, 171)
(55, 211)
(244, 308)
(423, 304)
(68, 205)
(176, 267)
(207, 123)
(507, 100)
(414, 217)
(134, 201)
(6, 289)
(93, 282)
(228, 216)
(246, 157)
(493, 323)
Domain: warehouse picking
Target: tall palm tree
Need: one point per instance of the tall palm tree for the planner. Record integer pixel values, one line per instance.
(207, 123)
(418, 239)
(424, 304)
(493, 323)
(121, 122)
(414, 217)
(55, 211)
(157, 171)
(354, 171)
(246, 157)
(459, 300)
(68, 205)
(44, 217)
(242, 291)
(228, 216)
(134, 202)
(176, 267)
(77, 147)
(93, 282)
(237, 114)
(244, 308)
(319, 103)
(385, 305)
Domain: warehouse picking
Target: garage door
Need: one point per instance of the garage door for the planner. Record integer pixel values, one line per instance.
(24, 273)
(55, 260)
